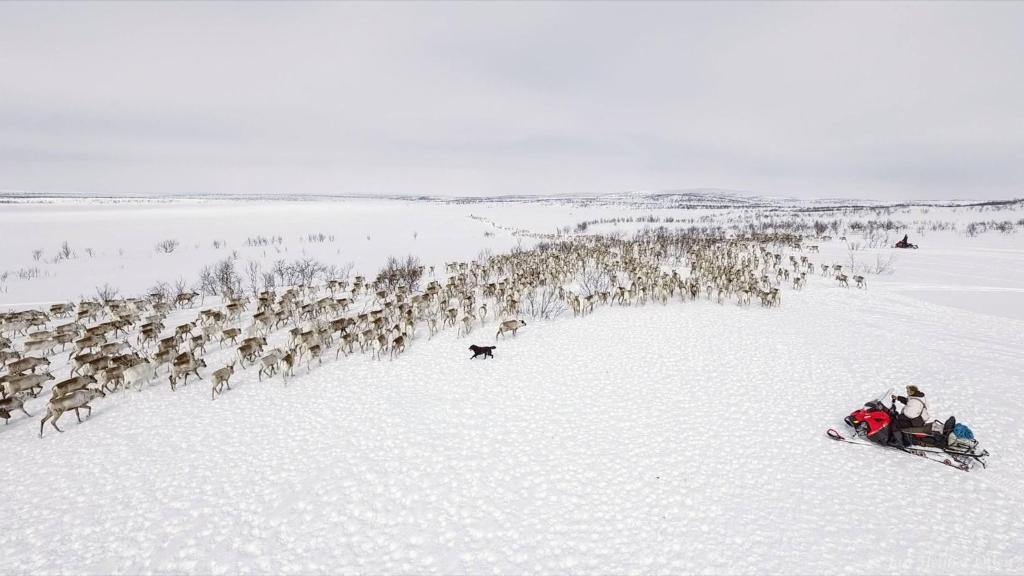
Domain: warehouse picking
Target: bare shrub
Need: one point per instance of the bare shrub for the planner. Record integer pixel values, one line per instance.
(543, 303)
(161, 291)
(106, 293)
(28, 273)
(228, 281)
(268, 281)
(37, 254)
(304, 271)
(594, 278)
(877, 239)
(262, 240)
(167, 246)
(65, 252)
(221, 278)
(319, 237)
(307, 270)
(207, 281)
(343, 272)
(398, 272)
(254, 273)
(180, 286)
(883, 264)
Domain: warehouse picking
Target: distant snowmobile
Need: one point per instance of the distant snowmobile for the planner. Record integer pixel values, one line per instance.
(905, 243)
(948, 442)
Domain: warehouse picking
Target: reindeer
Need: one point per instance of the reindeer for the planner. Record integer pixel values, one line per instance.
(70, 385)
(185, 299)
(451, 315)
(231, 335)
(397, 346)
(250, 349)
(29, 363)
(73, 401)
(843, 280)
(315, 351)
(30, 382)
(8, 355)
(861, 283)
(288, 361)
(382, 346)
(191, 366)
(220, 377)
(87, 344)
(45, 345)
(111, 377)
(139, 374)
(197, 343)
(8, 405)
(466, 325)
(348, 341)
(149, 334)
(512, 326)
(270, 363)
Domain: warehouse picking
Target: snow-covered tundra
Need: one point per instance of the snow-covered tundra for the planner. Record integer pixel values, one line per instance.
(627, 427)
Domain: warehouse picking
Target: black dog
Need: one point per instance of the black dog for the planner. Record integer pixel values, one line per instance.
(485, 351)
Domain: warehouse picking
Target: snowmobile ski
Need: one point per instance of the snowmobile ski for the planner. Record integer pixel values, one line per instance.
(935, 455)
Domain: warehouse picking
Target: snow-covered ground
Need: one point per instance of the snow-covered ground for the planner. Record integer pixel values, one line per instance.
(680, 438)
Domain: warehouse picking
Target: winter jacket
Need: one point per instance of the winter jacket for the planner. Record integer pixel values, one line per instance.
(915, 409)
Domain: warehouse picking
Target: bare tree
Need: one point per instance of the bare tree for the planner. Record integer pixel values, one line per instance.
(342, 272)
(483, 256)
(595, 278)
(161, 291)
(543, 303)
(883, 264)
(255, 275)
(268, 281)
(180, 286)
(398, 272)
(228, 281)
(106, 293)
(207, 281)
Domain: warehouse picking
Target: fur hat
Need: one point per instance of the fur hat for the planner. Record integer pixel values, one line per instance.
(912, 390)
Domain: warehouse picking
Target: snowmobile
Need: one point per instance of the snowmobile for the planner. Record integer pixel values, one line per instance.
(950, 442)
(904, 243)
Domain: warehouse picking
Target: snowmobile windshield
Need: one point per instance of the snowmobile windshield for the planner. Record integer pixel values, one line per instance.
(885, 396)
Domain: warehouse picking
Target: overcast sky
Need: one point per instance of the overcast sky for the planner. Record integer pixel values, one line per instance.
(871, 100)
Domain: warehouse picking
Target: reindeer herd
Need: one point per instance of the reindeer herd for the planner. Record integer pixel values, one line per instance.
(128, 343)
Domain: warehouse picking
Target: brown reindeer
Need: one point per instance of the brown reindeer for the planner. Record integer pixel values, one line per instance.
(73, 401)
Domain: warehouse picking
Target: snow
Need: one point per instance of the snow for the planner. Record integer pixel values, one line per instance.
(671, 439)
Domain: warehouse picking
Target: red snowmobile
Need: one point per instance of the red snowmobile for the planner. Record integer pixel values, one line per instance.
(948, 442)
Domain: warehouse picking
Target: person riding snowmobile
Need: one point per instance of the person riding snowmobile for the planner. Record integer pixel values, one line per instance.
(915, 409)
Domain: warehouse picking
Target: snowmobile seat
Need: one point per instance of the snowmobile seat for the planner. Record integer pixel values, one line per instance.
(949, 426)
